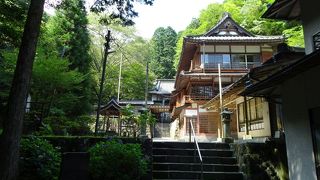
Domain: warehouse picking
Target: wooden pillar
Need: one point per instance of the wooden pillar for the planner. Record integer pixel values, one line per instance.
(246, 115)
(104, 122)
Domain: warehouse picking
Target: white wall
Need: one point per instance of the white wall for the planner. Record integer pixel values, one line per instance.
(310, 20)
(299, 94)
(266, 131)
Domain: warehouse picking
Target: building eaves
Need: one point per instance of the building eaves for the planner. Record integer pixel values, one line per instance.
(302, 65)
(284, 10)
(259, 39)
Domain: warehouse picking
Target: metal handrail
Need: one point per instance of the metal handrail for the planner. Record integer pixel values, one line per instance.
(191, 130)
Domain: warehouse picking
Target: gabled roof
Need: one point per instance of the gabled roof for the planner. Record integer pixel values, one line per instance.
(112, 108)
(229, 26)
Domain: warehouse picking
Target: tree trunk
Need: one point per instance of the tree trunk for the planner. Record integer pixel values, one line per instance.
(12, 125)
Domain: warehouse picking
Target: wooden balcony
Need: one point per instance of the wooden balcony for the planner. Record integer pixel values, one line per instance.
(188, 99)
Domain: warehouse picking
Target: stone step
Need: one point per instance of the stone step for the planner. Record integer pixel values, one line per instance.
(187, 145)
(195, 167)
(197, 175)
(192, 159)
(191, 152)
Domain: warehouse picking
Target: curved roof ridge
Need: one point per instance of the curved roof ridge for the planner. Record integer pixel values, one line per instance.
(227, 16)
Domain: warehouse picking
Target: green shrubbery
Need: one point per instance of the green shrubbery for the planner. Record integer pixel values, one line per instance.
(61, 125)
(264, 161)
(38, 160)
(114, 160)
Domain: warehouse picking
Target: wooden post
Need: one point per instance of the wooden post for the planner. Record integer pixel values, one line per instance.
(221, 102)
(246, 115)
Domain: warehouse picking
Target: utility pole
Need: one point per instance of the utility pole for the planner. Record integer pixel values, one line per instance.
(106, 52)
(144, 124)
(119, 81)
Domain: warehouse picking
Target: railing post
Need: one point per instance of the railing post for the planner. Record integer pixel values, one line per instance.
(189, 130)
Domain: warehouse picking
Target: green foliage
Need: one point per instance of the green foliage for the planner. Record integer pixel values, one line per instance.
(248, 14)
(61, 125)
(295, 36)
(67, 35)
(163, 43)
(7, 65)
(131, 120)
(148, 117)
(113, 160)
(12, 18)
(53, 82)
(118, 9)
(262, 160)
(38, 160)
(125, 46)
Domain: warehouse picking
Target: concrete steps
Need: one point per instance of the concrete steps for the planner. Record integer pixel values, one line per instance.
(176, 160)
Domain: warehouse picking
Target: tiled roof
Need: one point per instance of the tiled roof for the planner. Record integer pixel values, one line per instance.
(235, 38)
(227, 17)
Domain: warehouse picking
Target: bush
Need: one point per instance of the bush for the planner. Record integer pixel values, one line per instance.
(61, 125)
(38, 160)
(264, 161)
(114, 160)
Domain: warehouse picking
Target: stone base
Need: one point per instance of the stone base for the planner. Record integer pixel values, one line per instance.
(245, 137)
(227, 140)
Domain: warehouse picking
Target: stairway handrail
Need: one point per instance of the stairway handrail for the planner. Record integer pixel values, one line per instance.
(191, 131)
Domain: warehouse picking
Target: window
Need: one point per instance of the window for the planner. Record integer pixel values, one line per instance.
(232, 61)
(254, 114)
(194, 121)
(204, 91)
(245, 60)
(212, 60)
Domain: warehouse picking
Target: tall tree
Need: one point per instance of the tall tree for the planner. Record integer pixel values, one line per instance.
(68, 29)
(163, 42)
(10, 137)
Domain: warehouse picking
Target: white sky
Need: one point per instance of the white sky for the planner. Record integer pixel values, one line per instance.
(175, 13)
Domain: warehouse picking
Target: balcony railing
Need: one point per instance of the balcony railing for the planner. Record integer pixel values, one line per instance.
(232, 66)
(191, 98)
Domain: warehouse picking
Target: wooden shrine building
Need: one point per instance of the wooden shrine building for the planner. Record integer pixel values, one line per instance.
(111, 112)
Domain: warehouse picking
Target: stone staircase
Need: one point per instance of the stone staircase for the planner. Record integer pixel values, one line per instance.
(162, 130)
(176, 160)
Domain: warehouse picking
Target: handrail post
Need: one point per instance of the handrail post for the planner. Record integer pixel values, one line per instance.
(189, 130)
(196, 145)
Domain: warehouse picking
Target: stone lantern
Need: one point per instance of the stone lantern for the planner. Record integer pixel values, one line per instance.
(226, 119)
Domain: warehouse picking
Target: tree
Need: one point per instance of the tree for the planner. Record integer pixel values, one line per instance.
(68, 30)
(125, 45)
(53, 82)
(122, 9)
(11, 135)
(163, 42)
(11, 24)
